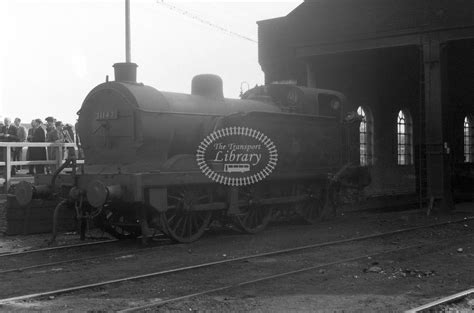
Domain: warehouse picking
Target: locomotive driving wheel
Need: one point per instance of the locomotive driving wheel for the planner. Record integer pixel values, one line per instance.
(253, 217)
(311, 208)
(182, 222)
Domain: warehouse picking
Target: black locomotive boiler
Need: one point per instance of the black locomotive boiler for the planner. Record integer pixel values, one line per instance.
(141, 171)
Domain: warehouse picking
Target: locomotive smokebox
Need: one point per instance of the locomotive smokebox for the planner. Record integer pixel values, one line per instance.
(207, 85)
(125, 72)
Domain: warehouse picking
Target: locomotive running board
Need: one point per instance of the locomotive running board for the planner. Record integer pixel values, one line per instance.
(273, 201)
(215, 206)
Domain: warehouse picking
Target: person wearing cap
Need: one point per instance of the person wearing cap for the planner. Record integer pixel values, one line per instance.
(57, 136)
(20, 137)
(38, 153)
(51, 136)
(69, 138)
(49, 127)
(8, 132)
(29, 138)
(70, 133)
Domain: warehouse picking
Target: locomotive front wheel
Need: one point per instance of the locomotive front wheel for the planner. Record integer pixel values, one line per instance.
(253, 217)
(181, 222)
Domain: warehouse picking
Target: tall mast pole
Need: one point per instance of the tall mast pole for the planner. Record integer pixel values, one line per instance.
(126, 71)
(127, 32)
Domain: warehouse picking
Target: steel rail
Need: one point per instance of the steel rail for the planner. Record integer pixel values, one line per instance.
(270, 277)
(253, 281)
(6, 254)
(24, 268)
(19, 269)
(447, 299)
(59, 247)
(209, 264)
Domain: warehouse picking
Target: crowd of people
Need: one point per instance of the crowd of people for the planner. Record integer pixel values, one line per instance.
(53, 131)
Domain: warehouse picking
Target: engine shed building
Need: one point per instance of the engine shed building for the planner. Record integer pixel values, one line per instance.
(406, 66)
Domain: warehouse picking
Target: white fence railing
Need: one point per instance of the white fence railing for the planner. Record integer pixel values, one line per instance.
(6, 163)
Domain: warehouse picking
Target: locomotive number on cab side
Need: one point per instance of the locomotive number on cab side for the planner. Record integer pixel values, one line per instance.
(106, 115)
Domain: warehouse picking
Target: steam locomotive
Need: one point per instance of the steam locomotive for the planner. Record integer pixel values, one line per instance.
(142, 166)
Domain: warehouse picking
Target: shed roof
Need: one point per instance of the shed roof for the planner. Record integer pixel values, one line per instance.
(317, 22)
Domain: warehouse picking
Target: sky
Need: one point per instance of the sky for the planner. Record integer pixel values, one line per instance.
(52, 53)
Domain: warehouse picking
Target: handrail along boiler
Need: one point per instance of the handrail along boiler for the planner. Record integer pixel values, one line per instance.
(140, 167)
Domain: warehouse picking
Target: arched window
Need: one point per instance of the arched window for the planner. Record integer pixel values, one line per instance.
(468, 141)
(404, 139)
(365, 137)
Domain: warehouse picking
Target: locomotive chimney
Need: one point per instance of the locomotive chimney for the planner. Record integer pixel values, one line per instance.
(125, 72)
(207, 85)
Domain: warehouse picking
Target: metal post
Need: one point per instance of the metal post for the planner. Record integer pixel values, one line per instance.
(310, 76)
(438, 171)
(8, 168)
(59, 156)
(127, 32)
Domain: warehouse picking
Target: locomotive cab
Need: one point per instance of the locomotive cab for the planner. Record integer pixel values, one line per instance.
(300, 100)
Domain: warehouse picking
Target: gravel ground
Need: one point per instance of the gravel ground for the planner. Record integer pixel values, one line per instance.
(20, 243)
(389, 283)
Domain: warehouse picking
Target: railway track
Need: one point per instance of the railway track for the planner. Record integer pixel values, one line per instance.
(443, 304)
(96, 251)
(107, 241)
(157, 242)
(50, 249)
(208, 265)
(156, 304)
(23, 264)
